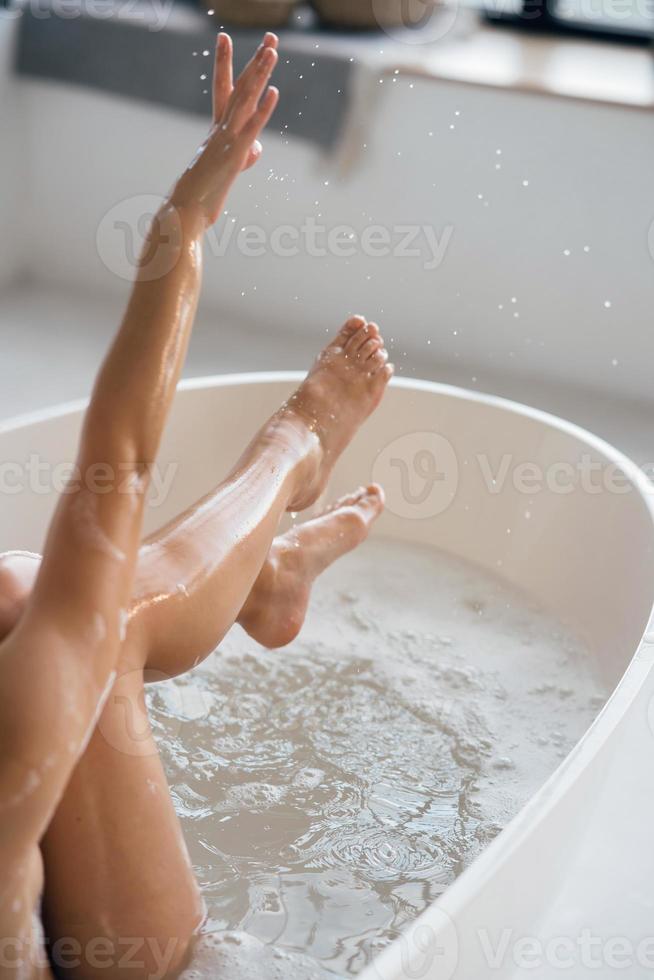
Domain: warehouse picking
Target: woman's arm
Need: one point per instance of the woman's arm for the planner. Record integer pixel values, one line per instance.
(57, 665)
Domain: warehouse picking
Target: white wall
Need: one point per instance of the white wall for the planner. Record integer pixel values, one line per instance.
(13, 175)
(589, 173)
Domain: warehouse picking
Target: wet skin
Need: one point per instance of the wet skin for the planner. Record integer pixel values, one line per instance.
(85, 812)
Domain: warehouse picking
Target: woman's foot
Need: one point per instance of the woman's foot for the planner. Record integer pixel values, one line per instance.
(276, 607)
(344, 387)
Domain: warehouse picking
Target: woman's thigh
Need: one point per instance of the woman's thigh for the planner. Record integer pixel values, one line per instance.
(23, 949)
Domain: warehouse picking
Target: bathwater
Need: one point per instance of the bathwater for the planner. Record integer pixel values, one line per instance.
(330, 791)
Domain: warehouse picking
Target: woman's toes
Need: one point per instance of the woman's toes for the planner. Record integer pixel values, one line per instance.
(370, 500)
(357, 340)
(348, 330)
(368, 504)
(368, 349)
(349, 525)
(347, 501)
(378, 360)
(374, 497)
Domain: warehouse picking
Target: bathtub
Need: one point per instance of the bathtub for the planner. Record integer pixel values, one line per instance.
(568, 885)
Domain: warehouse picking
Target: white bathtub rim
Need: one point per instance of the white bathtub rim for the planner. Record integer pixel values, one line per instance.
(632, 471)
(632, 682)
(640, 481)
(445, 914)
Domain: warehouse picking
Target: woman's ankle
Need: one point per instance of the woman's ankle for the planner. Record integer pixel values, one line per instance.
(291, 451)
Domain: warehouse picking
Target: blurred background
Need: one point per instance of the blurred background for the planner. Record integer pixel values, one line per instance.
(476, 179)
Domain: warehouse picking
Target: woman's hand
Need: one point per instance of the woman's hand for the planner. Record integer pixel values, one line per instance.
(240, 113)
(223, 85)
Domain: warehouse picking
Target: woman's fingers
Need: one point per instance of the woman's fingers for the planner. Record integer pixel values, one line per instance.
(250, 87)
(223, 76)
(270, 40)
(247, 72)
(259, 120)
(223, 80)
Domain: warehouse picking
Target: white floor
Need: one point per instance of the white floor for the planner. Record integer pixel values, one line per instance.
(52, 344)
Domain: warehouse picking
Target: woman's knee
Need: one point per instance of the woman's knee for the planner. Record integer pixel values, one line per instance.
(18, 571)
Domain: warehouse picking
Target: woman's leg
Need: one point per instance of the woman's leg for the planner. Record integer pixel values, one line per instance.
(116, 819)
(119, 888)
(116, 864)
(59, 663)
(273, 613)
(139, 895)
(193, 577)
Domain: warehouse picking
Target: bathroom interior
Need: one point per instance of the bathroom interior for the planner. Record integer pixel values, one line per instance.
(447, 775)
